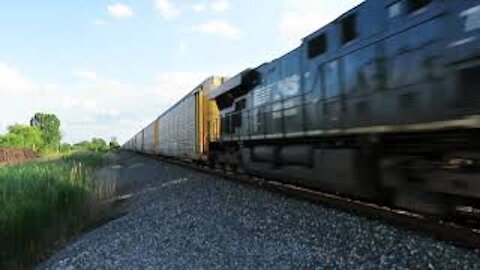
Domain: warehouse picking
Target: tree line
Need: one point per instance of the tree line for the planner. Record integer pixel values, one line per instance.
(43, 135)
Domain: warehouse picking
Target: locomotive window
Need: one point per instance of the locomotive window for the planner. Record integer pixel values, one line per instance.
(414, 5)
(317, 46)
(349, 28)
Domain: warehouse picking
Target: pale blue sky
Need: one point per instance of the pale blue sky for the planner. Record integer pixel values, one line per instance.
(107, 68)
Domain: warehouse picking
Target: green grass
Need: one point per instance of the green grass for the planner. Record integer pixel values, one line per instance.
(43, 202)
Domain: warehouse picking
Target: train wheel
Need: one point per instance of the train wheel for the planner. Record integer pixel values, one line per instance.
(404, 188)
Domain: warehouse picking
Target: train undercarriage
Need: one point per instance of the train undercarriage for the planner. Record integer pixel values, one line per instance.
(436, 173)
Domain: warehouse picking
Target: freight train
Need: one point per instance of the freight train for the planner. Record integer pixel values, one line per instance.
(382, 104)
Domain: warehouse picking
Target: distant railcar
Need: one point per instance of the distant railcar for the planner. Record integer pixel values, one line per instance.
(183, 131)
(151, 138)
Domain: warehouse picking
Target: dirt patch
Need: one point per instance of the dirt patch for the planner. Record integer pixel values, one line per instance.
(10, 156)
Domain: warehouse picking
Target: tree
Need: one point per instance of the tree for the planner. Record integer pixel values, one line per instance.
(95, 145)
(49, 124)
(22, 136)
(81, 146)
(65, 148)
(98, 145)
(114, 145)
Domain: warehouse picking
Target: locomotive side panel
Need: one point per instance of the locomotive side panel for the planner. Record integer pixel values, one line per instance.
(414, 66)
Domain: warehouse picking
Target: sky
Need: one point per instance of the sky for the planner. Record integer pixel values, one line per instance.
(108, 68)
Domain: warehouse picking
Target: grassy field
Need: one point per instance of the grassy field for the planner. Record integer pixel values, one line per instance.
(44, 202)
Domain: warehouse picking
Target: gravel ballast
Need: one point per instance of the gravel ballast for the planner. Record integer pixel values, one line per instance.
(183, 219)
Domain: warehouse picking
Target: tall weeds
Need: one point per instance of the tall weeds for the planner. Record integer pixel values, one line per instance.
(42, 203)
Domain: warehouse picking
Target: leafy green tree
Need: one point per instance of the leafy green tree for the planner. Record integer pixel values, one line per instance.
(114, 145)
(98, 145)
(65, 148)
(82, 144)
(22, 136)
(49, 124)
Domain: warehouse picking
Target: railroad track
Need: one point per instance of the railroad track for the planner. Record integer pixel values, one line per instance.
(457, 233)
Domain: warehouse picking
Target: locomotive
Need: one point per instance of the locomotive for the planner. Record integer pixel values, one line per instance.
(382, 104)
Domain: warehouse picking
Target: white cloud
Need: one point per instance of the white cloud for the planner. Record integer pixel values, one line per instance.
(98, 108)
(107, 86)
(95, 106)
(172, 86)
(199, 7)
(219, 28)
(13, 82)
(91, 106)
(220, 5)
(20, 96)
(120, 11)
(120, 103)
(215, 6)
(166, 9)
(86, 75)
(302, 17)
(99, 22)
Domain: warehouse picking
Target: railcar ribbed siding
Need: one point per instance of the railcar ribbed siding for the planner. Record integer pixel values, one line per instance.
(177, 130)
(150, 138)
(184, 130)
(139, 141)
(156, 137)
